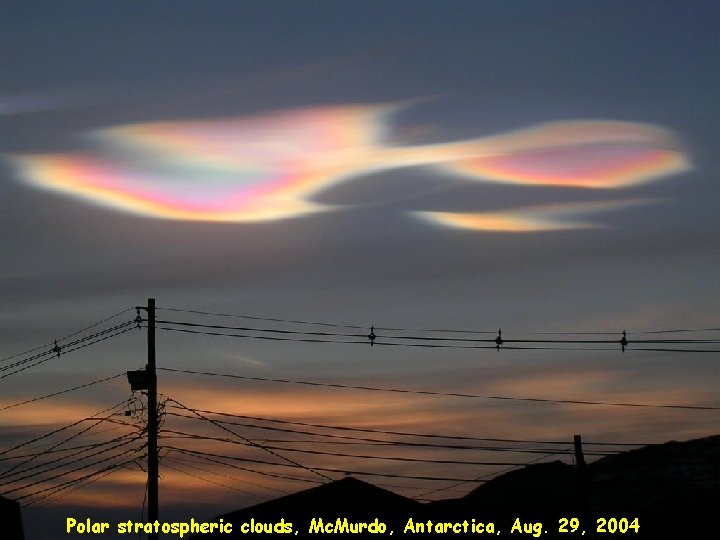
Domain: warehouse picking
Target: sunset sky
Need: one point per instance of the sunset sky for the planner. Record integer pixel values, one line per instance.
(547, 168)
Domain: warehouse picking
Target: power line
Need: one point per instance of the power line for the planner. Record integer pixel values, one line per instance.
(11, 470)
(81, 344)
(210, 459)
(390, 458)
(96, 324)
(431, 338)
(261, 447)
(444, 394)
(67, 390)
(204, 479)
(375, 342)
(438, 330)
(78, 449)
(399, 433)
(61, 465)
(678, 330)
(288, 463)
(318, 334)
(14, 469)
(60, 340)
(57, 350)
(60, 487)
(197, 467)
(68, 426)
(324, 469)
(326, 324)
(87, 481)
(484, 478)
(81, 447)
(364, 441)
(658, 349)
(191, 436)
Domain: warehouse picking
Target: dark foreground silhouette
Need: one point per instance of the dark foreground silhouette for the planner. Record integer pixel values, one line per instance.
(661, 491)
(10, 522)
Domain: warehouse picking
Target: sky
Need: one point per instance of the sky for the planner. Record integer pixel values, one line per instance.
(536, 167)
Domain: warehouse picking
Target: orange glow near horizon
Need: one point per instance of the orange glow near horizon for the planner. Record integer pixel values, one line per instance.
(213, 483)
(38, 414)
(268, 167)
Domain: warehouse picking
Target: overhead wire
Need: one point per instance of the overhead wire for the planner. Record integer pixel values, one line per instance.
(484, 478)
(57, 449)
(422, 337)
(324, 469)
(61, 465)
(546, 453)
(406, 433)
(63, 428)
(386, 432)
(445, 394)
(307, 333)
(54, 432)
(60, 392)
(81, 343)
(208, 480)
(67, 484)
(77, 482)
(439, 330)
(362, 441)
(348, 439)
(375, 342)
(57, 350)
(347, 338)
(59, 462)
(205, 470)
(259, 446)
(316, 323)
(60, 340)
(209, 459)
(393, 458)
(37, 503)
(80, 447)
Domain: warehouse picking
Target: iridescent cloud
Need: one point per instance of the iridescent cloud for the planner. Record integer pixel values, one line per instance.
(587, 154)
(268, 167)
(541, 218)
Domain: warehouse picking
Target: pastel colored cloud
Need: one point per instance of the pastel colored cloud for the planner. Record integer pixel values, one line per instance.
(587, 154)
(548, 217)
(269, 167)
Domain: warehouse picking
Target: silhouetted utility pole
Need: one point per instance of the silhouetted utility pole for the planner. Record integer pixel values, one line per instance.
(152, 420)
(146, 379)
(581, 479)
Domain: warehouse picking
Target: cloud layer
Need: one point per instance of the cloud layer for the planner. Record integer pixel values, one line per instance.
(269, 167)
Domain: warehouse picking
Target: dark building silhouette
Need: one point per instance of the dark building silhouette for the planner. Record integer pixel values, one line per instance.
(349, 498)
(669, 490)
(10, 520)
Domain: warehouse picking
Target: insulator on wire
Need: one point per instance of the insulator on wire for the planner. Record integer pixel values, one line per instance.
(498, 339)
(138, 318)
(371, 336)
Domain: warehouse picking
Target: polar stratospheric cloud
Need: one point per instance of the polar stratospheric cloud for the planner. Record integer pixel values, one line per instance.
(547, 217)
(268, 167)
